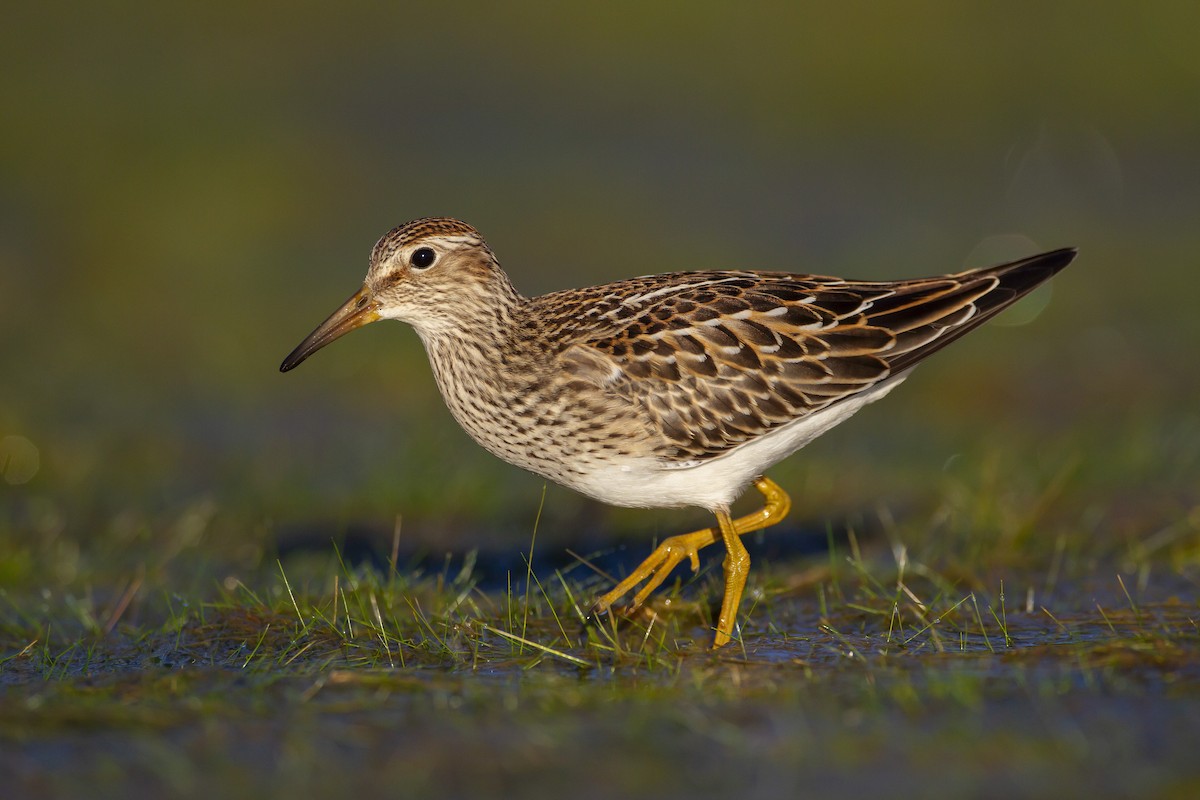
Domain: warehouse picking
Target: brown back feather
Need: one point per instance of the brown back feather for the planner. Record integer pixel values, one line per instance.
(719, 358)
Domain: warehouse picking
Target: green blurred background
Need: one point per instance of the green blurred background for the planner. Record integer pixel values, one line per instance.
(186, 190)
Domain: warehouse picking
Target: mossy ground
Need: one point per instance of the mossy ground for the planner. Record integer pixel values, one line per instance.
(859, 671)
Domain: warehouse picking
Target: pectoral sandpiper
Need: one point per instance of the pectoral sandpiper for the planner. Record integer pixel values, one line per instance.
(668, 390)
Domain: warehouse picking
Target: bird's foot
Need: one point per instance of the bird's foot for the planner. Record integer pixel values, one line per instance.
(655, 569)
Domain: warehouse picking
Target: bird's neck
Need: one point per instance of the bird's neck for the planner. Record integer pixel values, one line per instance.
(478, 340)
(480, 366)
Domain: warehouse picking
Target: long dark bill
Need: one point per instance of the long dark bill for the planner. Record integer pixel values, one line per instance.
(361, 309)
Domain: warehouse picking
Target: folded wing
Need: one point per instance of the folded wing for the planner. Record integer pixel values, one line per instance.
(719, 358)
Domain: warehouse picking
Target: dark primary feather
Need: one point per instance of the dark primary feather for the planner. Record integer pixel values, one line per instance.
(719, 358)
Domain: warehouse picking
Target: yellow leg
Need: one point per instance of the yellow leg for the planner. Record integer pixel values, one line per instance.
(737, 567)
(672, 551)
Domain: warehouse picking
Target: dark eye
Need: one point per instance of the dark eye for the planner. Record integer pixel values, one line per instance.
(423, 258)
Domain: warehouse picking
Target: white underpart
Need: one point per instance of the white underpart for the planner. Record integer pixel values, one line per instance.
(715, 483)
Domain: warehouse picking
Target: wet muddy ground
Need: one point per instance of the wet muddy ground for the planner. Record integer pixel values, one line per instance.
(1094, 691)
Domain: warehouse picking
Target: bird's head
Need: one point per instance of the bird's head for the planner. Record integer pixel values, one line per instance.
(432, 273)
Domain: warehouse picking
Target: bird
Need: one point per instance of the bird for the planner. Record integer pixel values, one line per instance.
(668, 390)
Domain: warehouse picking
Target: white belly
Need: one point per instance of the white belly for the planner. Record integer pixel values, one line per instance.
(716, 483)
